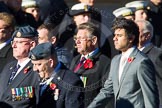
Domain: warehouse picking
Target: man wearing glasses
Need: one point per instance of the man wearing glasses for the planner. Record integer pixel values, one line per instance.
(91, 65)
(19, 85)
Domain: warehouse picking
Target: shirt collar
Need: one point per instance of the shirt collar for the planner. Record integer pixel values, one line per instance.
(128, 52)
(91, 53)
(2, 45)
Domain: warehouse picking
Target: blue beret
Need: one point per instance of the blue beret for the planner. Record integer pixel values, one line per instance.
(42, 51)
(25, 32)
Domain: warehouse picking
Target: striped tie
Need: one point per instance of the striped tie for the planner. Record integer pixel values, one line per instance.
(13, 73)
(79, 64)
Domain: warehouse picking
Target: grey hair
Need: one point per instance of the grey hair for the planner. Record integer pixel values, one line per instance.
(147, 27)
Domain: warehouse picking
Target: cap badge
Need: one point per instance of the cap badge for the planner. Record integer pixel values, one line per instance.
(33, 57)
(18, 34)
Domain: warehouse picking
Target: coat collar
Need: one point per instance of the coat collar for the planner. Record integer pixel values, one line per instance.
(125, 70)
(19, 78)
(82, 70)
(4, 50)
(57, 78)
(147, 48)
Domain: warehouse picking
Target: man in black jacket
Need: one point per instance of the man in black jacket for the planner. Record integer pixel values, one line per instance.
(19, 85)
(59, 87)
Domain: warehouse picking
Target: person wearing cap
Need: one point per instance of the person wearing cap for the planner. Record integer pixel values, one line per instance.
(80, 13)
(19, 85)
(141, 9)
(30, 6)
(59, 87)
(126, 12)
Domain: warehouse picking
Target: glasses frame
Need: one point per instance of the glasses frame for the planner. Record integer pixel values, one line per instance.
(19, 42)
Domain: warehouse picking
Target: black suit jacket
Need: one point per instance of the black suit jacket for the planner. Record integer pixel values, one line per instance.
(6, 56)
(155, 54)
(30, 78)
(70, 91)
(96, 76)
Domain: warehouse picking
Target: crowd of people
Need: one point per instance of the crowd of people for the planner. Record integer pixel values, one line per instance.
(56, 56)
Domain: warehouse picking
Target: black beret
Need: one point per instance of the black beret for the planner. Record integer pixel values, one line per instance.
(79, 8)
(25, 32)
(42, 51)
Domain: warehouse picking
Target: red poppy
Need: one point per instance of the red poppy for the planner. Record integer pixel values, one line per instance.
(52, 86)
(130, 59)
(88, 64)
(26, 69)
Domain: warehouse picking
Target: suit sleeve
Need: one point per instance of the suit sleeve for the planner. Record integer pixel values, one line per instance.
(105, 95)
(146, 76)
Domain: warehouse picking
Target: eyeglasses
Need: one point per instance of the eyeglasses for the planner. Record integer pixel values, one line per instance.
(19, 42)
(81, 38)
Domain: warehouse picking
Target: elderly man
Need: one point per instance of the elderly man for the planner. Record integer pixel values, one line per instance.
(89, 63)
(154, 53)
(60, 88)
(19, 85)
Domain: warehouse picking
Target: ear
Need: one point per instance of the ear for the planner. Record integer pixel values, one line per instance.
(53, 40)
(148, 36)
(32, 44)
(51, 62)
(131, 39)
(94, 40)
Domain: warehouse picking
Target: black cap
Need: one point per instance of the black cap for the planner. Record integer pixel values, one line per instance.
(25, 32)
(42, 51)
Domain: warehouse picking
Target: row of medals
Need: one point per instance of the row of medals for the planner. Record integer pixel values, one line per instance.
(22, 93)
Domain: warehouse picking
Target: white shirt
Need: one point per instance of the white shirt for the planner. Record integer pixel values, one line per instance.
(2, 45)
(141, 49)
(123, 61)
(22, 65)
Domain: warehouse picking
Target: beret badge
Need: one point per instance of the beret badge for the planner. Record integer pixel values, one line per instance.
(18, 34)
(33, 57)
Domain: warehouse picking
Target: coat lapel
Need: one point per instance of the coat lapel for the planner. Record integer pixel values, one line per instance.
(19, 78)
(4, 51)
(148, 48)
(56, 80)
(93, 69)
(127, 66)
(117, 62)
(7, 76)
